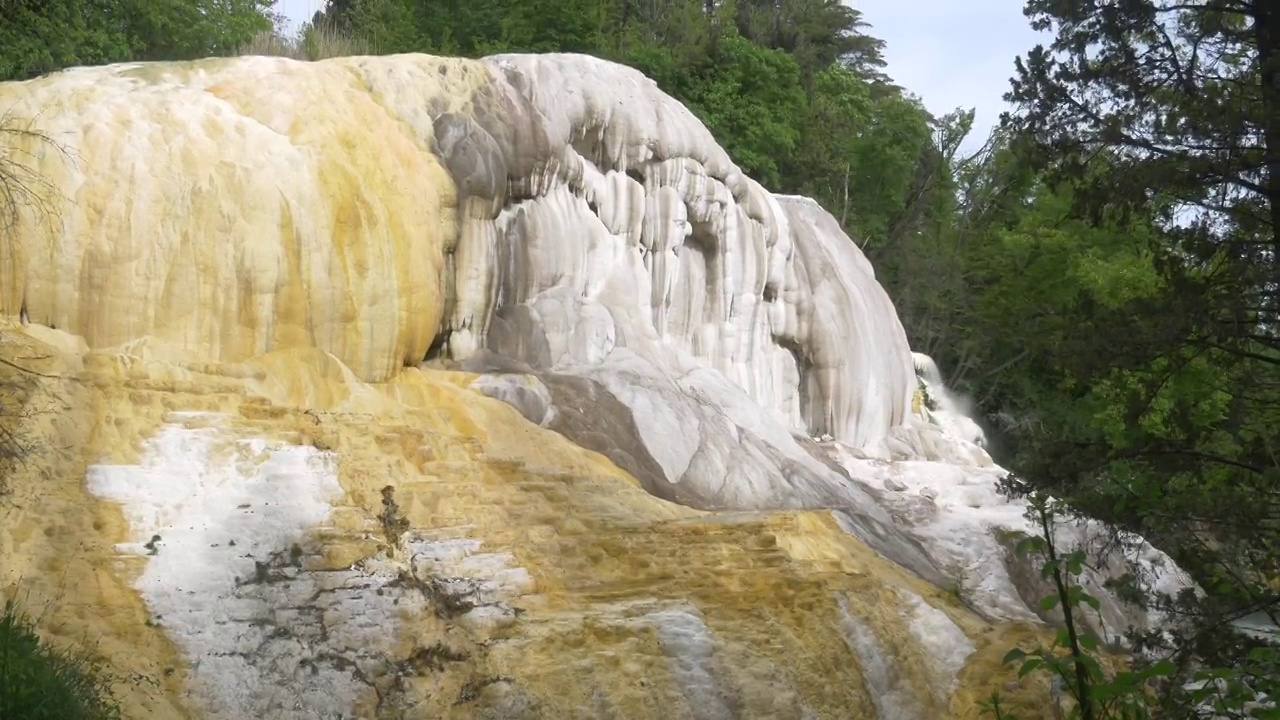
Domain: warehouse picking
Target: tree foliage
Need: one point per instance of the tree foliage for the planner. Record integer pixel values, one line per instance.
(41, 36)
(1164, 120)
(1153, 686)
(793, 89)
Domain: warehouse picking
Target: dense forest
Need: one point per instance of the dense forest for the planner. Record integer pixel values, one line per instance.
(1101, 278)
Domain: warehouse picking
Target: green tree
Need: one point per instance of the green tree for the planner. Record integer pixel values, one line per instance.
(818, 33)
(859, 154)
(1184, 95)
(475, 28)
(42, 36)
(190, 29)
(39, 36)
(1153, 686)
(1160, 121)
(743, 76)
(748, 96)
(1079, 348)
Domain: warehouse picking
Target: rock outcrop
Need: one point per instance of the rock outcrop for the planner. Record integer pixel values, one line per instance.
(475, 389)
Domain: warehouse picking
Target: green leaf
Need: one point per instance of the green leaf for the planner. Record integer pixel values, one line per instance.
(1029, 667)
(1075, 562)
(1031, 544)
(1091, 665)
(1049, 602)
(1127, 680)
(1013, 655)
(1265, 654)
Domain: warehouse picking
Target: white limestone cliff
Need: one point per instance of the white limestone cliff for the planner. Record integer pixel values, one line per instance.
(554, 223)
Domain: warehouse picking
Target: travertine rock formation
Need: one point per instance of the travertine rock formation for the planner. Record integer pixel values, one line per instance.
(267, 301)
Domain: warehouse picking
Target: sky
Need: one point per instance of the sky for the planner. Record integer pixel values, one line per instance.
(953, 53)
(950, 53)
(298, 11)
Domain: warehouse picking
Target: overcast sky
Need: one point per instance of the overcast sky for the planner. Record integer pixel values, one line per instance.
(951, 53)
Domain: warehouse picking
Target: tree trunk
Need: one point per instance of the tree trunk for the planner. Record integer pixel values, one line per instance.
(1267, 33)
(777, 23)
(713, 20)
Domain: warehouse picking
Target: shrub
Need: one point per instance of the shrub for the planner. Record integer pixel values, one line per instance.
(312, 43)
(39, 681)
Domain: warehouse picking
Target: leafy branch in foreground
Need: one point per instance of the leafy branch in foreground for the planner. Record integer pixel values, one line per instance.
(1150, 687)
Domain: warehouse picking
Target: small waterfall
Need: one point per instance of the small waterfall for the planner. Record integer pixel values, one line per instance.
(944, 407)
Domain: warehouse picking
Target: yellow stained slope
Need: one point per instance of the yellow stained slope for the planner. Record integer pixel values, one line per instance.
(602, 553)
(251, 205)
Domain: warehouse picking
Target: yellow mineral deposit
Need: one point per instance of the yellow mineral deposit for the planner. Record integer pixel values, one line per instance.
(602, 554)
(249, 493)
(307, 217)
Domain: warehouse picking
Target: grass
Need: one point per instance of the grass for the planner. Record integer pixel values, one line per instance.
(312, 43)
(39, 681)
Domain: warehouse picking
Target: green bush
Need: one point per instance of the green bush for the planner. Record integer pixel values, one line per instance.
(41, 682)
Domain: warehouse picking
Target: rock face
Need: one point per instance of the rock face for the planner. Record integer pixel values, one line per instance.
(253, 308)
